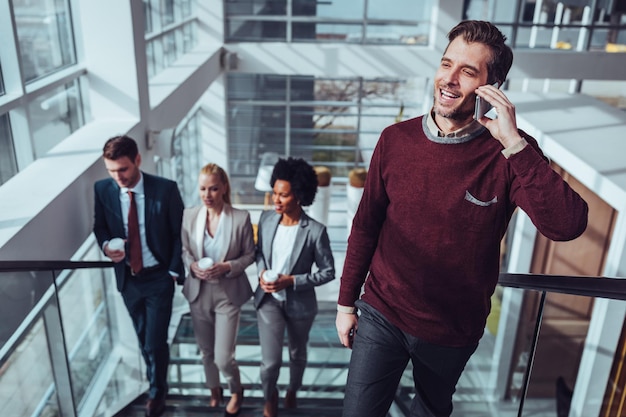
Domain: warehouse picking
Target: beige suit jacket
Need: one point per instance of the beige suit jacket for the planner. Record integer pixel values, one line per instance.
(239, 251)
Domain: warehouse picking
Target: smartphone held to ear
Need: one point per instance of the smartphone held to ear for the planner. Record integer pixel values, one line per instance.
(482, 106)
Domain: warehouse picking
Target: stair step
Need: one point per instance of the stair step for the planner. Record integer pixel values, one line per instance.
(192, 406)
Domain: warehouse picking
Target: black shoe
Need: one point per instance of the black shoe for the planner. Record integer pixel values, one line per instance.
(236, 413)
(155, 407)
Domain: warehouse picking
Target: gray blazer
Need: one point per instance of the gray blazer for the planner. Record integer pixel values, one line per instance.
(239, 251)
(312, 246)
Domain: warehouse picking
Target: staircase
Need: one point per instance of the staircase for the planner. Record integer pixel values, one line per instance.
(324, 378)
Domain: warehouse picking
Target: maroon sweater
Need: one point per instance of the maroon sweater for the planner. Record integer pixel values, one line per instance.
(429, 226)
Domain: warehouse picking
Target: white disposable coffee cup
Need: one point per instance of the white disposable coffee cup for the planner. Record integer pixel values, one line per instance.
(205, 263)
(270, 276)
(116, 244)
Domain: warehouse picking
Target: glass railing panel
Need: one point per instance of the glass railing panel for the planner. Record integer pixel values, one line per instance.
(578, 360)
(86, 326)
(65, 349)
(26, 382)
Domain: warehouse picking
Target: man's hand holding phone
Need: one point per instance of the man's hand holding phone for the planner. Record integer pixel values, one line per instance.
(504, 127)
(482, 106)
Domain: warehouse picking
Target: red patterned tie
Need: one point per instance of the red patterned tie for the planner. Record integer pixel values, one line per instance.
(134, 241)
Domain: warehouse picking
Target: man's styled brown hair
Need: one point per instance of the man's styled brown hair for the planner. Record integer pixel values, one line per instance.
(120, 146)
(489, 35)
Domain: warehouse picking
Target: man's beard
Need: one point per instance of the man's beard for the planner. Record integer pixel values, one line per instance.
(458, 113)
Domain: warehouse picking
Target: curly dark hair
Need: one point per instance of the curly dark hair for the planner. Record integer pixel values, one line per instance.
(300, 175)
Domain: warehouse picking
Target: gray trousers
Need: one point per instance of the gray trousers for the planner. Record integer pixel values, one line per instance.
(272, 322)
(215, 324)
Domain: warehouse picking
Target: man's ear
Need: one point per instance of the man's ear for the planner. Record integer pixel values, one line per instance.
(138, 159)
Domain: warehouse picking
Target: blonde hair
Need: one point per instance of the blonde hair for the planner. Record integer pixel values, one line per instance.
(214, 169)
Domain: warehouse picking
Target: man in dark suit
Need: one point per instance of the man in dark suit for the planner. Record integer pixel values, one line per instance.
(146, 211)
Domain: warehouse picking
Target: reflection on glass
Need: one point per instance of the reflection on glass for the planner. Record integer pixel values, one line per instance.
(88, 341)
(8, 164)
(45, 35)
(28, 387)
(54, 116)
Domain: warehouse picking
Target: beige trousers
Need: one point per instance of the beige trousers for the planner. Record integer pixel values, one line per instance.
(215, 324)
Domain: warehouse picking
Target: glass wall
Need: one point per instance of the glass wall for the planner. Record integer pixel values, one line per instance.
(186, 158)
(8, 164)
(358, 21)
(574, 25)
(45, 35)
(1, 82)
(49, 347)
(171, 30)
(54, 116)
(330, 122)
(52, 107)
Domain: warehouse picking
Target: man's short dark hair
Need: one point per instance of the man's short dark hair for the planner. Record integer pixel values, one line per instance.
(300, 175)
(489, 35)
(120, 146)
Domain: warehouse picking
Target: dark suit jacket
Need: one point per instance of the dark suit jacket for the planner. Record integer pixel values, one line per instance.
(239, 251)
(164, 212)
(312, 246)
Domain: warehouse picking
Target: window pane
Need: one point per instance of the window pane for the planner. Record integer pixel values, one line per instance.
(255, 30)
(147, 16)
(54, 116)
(352, 9)
(399, 10)
(1, 82)
(167, 14)
(8, 164)
(334, 32)
(186, 8)
(397, 34)
(255, 7)
(44, 31)
(257, 87)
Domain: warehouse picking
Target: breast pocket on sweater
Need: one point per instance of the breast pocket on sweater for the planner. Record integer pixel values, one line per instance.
(480, 212)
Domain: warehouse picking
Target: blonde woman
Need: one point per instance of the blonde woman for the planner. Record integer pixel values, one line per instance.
(216, 293)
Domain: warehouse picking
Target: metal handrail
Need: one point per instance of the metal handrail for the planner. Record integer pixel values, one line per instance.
(22, 266)
(589, 286)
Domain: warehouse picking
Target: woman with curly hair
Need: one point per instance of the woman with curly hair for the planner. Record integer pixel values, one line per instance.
(289, 243)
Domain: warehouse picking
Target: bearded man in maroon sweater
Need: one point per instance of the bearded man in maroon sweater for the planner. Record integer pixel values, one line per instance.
(439, 194)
